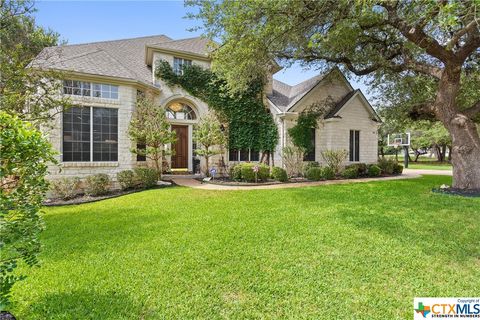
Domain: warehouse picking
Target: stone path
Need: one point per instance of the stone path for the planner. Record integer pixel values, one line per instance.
(407, 174)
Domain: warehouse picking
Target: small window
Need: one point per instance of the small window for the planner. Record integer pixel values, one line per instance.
(244, 155)
(254, 155)
(178, 64)
(354, 154)
(180, 111)
(235, 155)
(87, 89)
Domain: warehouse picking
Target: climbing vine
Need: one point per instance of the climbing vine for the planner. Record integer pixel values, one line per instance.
(250, 124)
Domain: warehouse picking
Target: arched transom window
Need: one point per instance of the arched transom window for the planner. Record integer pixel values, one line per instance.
(180, 111)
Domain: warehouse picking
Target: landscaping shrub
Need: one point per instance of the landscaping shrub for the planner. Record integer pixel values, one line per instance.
(374, 170)
(293, 160)
(335, 158)
(350, 173)
(308, 165)
(279, 174)
(328, 173)
(145, 177)
(397, 169)
(65, 188)
(387, 165)
(361, 168)
(314, 173)
(97, 184)
(249, 175)
(236, 172)
(126, 179)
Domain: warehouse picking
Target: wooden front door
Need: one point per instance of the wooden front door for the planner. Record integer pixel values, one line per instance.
(180, 148)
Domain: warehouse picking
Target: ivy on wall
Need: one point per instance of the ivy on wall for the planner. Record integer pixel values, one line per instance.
(250, 124)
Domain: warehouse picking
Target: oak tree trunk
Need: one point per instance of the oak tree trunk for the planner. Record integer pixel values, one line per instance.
(462, 129)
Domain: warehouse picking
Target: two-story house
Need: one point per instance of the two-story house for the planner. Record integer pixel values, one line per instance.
(105, 79)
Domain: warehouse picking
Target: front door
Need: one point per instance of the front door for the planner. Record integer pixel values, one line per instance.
(180, 148)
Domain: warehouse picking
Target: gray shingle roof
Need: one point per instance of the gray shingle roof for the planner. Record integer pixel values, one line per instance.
(285, 96)
(195, 45)
(117, 58)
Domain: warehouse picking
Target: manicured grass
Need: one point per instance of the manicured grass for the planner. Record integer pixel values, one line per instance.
(426, 163)
(330, 252)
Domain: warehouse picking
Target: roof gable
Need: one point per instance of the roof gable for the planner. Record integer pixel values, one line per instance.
(333, 113)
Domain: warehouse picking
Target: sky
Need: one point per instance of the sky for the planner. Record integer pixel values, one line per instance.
(91, 21)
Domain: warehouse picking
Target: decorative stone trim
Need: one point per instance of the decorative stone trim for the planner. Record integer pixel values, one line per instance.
(89, 164)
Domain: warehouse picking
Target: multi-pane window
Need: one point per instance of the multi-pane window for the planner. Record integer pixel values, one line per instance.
(310, 155)
(243, 155)
(178, 64)
(180, 111)
(354, 154)
(87, 140)
(105, 134)
(88, 89)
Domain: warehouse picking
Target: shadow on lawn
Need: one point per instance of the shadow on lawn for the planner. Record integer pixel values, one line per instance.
(84, 305)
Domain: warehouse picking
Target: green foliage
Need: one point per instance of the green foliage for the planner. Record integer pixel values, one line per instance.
(65, 188)
(21, 41)
(308, 165)
(387, 165)
(335, 158)
(97, 185)
(145, 177)
(314, 173)
(397, 169)
(244, 172)
(149, 127)
(328, 173)
(210, 138)
(279, 174)
(126, 179)
(25, 155)
(350, 173)
(249, 123)
(301, 133)
(374, 170)
(362, 169)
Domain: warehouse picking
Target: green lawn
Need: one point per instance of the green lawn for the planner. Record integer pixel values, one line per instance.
(426, 163)
(342, 251)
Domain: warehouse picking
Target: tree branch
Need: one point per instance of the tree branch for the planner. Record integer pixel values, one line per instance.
(460, 33)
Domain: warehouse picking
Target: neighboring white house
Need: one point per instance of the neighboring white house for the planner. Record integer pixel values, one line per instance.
(104, 80)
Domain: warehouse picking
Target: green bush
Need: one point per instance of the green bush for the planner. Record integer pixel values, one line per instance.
(145, 177)
(361, 168)
(387, 165)
(126, 179)
(397, 169)
(65, 188)
(309, 165)
(350, 173)
(314, 173)
(374, 170)
(236, 172)
(97, 184)
(328, 173)
(248, 174)
(279, 174)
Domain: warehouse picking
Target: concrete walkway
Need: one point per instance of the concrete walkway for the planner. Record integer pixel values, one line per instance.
(407, 174)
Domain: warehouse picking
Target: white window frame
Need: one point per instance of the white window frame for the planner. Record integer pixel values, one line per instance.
(178, 64)
(85, 85)
(238, 156)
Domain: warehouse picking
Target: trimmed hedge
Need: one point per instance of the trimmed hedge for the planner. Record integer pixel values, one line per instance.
(126, 179)
(279, 174)
(374, 170)
(328, 173)
(65, 188)
(97, 184)
(314, 173)
(244, 172)
(145, 177)
(397, 169)
(350, 173)
(309, 165)
(387, 165)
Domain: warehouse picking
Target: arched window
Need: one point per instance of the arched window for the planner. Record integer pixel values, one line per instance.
(180, 111)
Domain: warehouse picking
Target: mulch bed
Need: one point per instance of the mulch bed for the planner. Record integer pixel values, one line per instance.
(457, 192)
(54, 202)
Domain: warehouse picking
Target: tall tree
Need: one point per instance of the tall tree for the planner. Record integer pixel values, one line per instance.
(149, 127)
(434, 40)
(27, 92)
